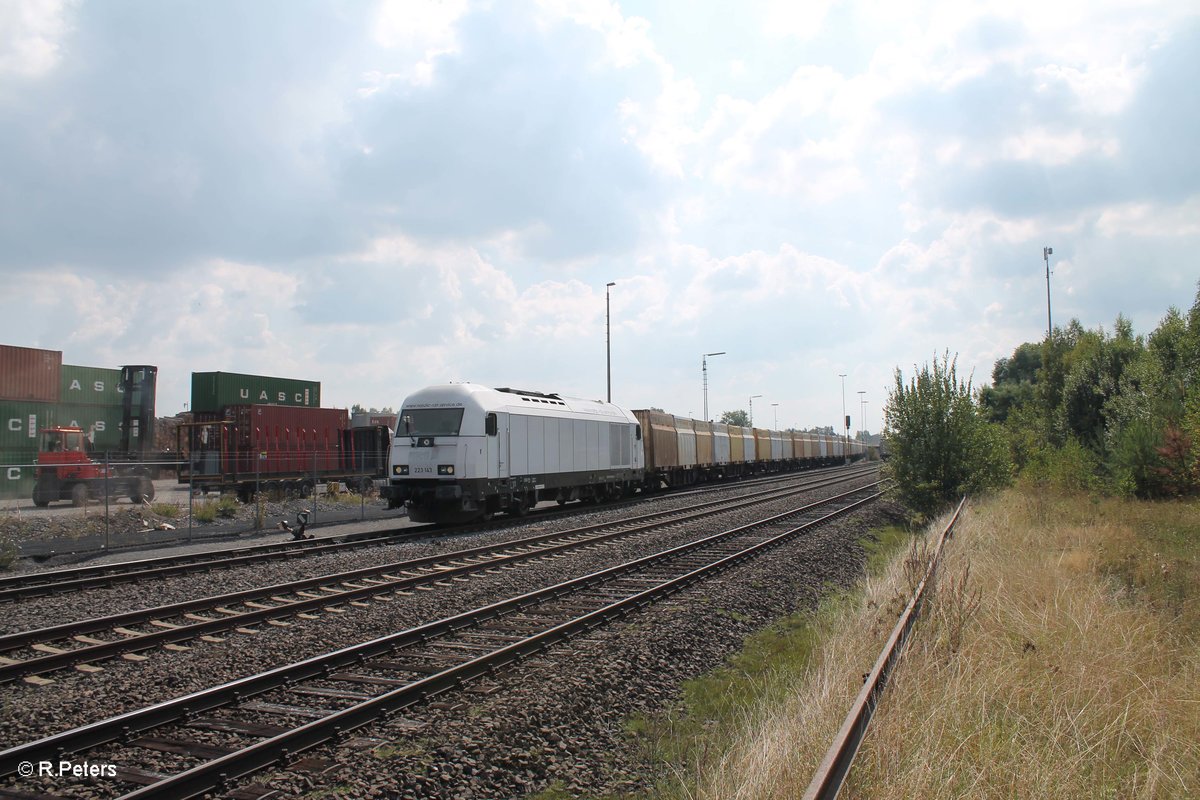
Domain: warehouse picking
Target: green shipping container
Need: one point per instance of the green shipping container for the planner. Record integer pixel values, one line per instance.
(102, 423)
(213, 391)
(21, 423)
(92, 385)
(16, 475)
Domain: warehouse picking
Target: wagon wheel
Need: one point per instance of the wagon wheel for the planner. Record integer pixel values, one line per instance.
(519, 506)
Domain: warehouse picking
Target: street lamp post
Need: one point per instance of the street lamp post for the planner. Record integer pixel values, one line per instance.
(704, 373)
(862, 413)
(608, 334)
(776, 407)
(845, 422)
(752, 408)
(1046, 253)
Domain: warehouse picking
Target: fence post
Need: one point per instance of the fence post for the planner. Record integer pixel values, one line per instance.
(107, 466)
(191, 495)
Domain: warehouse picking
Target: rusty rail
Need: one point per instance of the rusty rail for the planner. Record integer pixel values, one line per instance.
(831, 775)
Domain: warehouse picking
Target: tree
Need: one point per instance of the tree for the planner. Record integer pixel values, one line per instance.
(739, 417)
(1148, 442)
(942, 446)
(357, 408)
(1013, 381)
(1094, 379)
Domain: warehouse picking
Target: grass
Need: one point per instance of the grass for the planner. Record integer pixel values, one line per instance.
(205, 511)
(1058, 658)
(165, 510)
(1076, 677)
(718, 711)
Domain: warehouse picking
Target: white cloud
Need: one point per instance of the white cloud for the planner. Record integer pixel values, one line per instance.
(799, 20)
(1149, 220)
(421, 31)
(1046, 147)
(31, 32)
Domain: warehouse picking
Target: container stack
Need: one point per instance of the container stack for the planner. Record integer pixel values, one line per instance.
(30, 380)
(91, 398)
(38, 391)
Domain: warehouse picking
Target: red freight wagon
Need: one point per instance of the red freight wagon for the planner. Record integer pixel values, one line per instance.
(280, 448)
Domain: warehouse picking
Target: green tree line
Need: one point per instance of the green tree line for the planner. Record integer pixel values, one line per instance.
(1110, 411)
(1085, 409)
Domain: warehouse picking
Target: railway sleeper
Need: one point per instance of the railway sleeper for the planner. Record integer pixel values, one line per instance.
(235, 726)
(184, 747)
(305, 712)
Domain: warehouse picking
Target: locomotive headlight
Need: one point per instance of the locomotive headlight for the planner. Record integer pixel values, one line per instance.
(400, 469)
(445, 469)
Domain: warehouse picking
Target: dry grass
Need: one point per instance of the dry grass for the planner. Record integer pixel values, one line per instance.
(1058, 658)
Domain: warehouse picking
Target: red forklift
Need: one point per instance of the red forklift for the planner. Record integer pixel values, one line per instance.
(67, 469)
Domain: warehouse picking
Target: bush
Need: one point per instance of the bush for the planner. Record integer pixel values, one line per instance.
(1071, 467)
(941, 444)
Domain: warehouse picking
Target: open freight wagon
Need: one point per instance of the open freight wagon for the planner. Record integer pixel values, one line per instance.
(285, 449)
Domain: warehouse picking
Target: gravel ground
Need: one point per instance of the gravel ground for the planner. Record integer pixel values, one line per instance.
(568, 729)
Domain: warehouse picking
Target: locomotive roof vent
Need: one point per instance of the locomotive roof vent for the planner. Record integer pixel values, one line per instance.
(528, 393)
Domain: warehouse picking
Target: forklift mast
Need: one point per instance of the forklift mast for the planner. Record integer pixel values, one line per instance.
(137, 421)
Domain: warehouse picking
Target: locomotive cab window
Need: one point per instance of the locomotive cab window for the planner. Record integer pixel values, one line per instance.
(490, 426)
(638, 432)
(432, 421)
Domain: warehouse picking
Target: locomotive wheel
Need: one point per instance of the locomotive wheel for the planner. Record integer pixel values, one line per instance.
(306, 488)
(79, 495)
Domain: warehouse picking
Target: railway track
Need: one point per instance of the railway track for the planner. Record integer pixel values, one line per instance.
(84, 643)
(167, 750)
(16, 588)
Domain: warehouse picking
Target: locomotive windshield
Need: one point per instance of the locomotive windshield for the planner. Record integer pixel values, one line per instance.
(429, 422)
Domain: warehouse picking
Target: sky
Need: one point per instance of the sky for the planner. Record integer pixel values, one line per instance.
(386, 195)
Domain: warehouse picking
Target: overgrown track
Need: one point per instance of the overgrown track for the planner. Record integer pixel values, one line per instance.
(270, 717)
(37, 652)
(60, 581)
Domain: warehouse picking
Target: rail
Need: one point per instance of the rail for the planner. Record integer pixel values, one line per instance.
(831, 775)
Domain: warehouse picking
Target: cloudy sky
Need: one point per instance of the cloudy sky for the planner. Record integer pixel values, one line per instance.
(386, 195)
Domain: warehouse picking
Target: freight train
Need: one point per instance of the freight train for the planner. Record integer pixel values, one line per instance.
(464, 451)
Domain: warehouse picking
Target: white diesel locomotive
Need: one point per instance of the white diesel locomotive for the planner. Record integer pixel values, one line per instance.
(464, 451)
